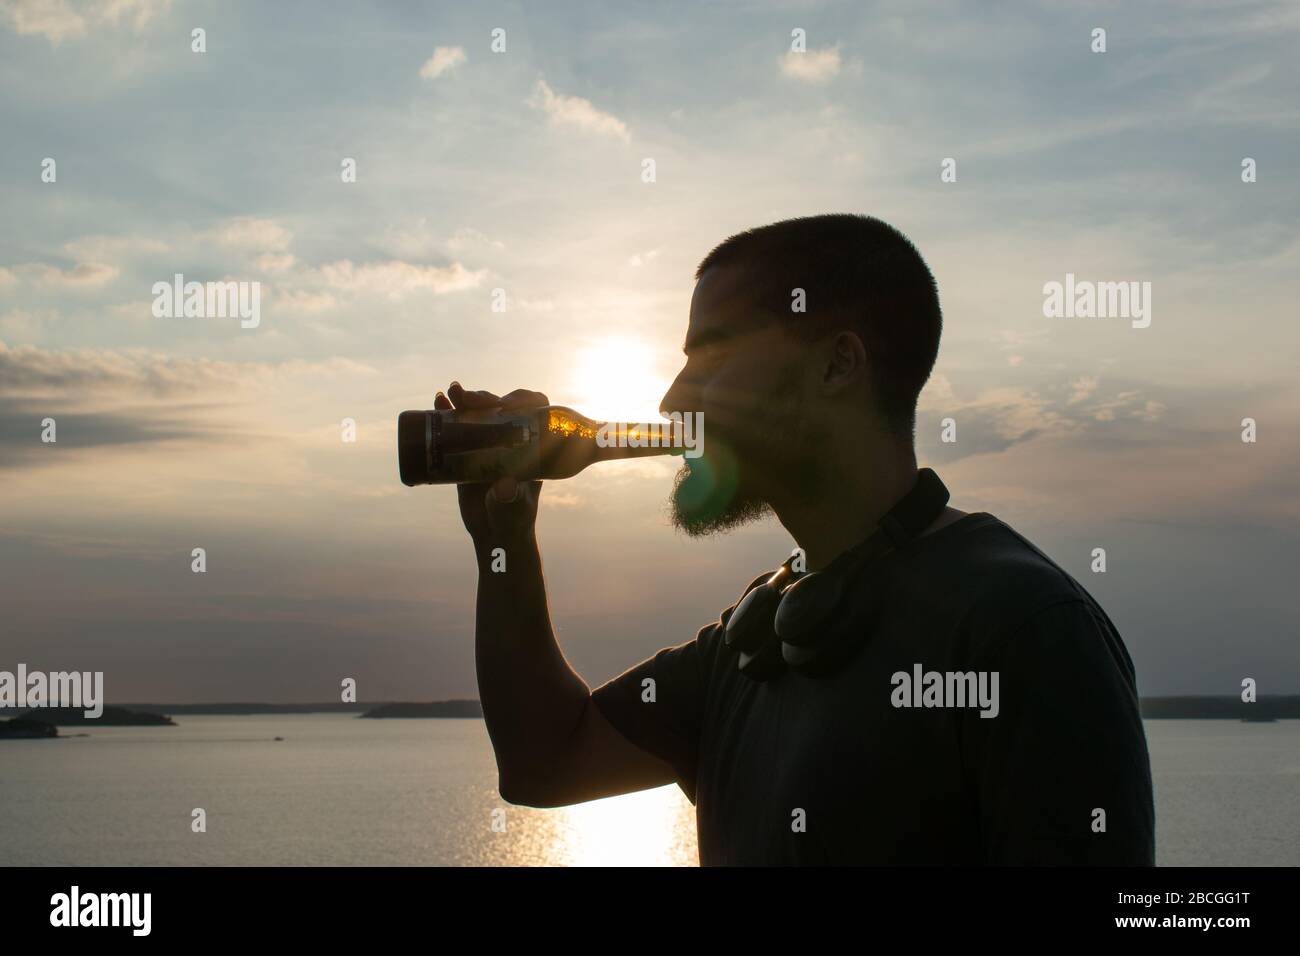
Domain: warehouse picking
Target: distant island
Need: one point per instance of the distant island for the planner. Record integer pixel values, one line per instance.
(1205, 707)
(1281, 707)
(436, 708)
(24, 728)
(442, 708)
(240, 708)
(111, 717)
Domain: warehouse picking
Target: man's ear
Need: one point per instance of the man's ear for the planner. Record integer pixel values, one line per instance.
(844, 359)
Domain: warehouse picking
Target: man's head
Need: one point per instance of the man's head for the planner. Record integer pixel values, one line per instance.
(808, 339)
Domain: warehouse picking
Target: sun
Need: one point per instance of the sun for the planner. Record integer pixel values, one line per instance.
(614, 380)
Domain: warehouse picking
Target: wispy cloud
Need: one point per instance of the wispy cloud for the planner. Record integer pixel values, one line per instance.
(297, 300)
(444, 58)
(276, 261)
(465, 239)
(107, 375)
(80, 431)
(574, 111)
(1083, 386)
(79, 374)
(252, 234)
(81, 275)
(813, 66)
(56, 20)
(396, 278)
(113, 249)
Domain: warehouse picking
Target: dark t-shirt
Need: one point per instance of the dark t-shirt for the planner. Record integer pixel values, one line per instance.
(803, 770)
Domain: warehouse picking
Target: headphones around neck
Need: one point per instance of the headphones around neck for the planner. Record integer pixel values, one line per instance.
(787, 621)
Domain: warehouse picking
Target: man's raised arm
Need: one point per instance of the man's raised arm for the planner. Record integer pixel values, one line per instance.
(553, 747)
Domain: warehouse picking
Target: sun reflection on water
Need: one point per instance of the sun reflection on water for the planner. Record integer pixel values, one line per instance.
(649, 828)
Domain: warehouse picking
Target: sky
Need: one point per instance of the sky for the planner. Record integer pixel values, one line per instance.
(523, 169)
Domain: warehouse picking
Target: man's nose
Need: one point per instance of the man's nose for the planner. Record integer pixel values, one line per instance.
(677, 398)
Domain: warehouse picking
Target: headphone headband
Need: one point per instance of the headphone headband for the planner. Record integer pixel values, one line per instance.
(917, 510)
(789, 615)
(902, 524)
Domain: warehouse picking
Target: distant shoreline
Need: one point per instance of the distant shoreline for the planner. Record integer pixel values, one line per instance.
(1281, 707)
(1190, 707)
(160, 714)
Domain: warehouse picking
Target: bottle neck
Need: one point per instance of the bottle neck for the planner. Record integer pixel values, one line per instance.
(609, 441)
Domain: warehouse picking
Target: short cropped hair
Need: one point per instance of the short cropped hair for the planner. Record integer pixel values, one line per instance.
(856, 270)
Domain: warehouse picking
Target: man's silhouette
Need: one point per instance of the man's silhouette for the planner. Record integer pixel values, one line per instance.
(809, 341)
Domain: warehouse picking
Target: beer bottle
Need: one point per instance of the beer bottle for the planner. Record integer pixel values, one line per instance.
(452, 446)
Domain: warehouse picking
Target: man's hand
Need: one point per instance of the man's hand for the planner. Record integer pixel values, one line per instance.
(496, 513)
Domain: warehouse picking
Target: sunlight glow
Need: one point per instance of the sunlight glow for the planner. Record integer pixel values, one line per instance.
(615, 381)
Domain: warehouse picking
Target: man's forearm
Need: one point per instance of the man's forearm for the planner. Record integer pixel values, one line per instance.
(532, 699)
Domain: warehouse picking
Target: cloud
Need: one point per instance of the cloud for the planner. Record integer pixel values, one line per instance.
(553, 500)
(814, 66)
(104, 397)
(31, 372)
(418, 240)
(140, 11)
(56, 20)
(20, 432)
(395, 278)
(136, 398)
(99, 256)
(112, 249)
(82, 275)
(259, 246)
(638, 260)
(994, 421)
(26, 323)
(444, 58)
(464, 239)
(252, 234)
(276, 261)
(300, 301)
(575, 111)
(1083, 386)
(1001, 417)
(107, 375)
(1129, 405)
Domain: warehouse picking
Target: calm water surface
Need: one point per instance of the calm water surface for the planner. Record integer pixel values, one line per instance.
(343, 791)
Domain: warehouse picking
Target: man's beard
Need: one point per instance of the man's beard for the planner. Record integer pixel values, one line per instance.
(716, 492)
(707, 497)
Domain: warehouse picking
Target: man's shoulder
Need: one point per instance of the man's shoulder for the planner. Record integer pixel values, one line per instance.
(992, 595)
(978, 571)
(993, 576)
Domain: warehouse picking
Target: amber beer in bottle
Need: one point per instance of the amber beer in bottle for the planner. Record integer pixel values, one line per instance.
(452, 446)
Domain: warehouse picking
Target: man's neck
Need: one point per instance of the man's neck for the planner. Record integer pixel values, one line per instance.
(853, 497)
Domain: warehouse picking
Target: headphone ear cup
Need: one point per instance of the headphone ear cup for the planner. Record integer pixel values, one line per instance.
(806, 607)
(750, 624)
(837, 640)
